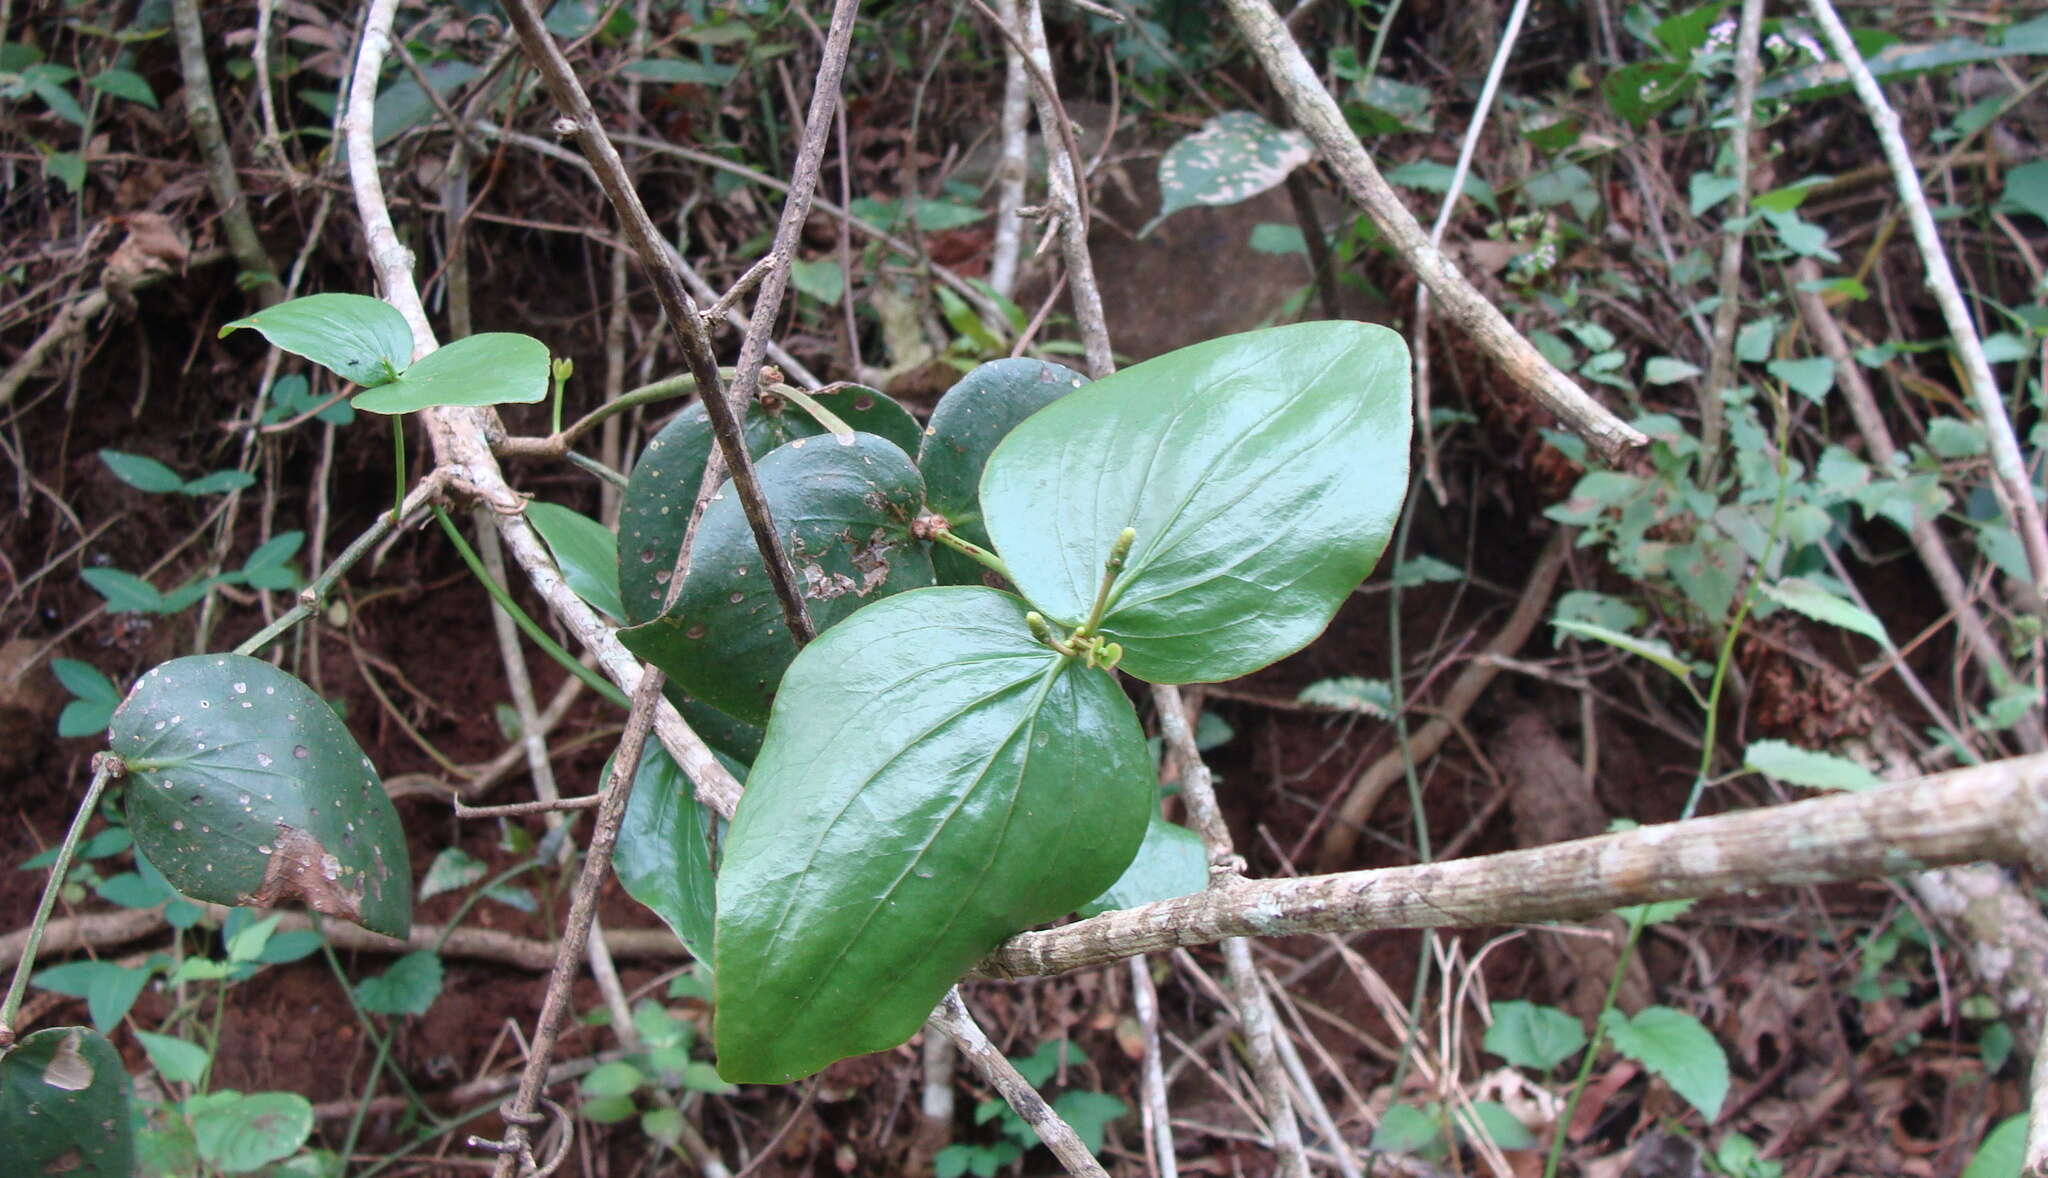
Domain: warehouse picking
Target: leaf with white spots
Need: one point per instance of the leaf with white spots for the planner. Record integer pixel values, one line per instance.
(64, 1107)
(1234, 157)
(245, 788)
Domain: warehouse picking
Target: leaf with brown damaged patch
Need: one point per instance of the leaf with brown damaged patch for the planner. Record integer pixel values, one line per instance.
(844, 511)
(64, 1107)
(247, 789)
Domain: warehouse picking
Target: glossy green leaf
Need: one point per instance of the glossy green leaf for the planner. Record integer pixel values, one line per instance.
(239, 1133)
(967, 424)
(726, 735)
(219, 482)
(844, 513)
(245, 788)
(1674, 1045)
(360, 339)
(1798, 766)
(408, 986)
(1233, 157)
(1171, 862)
(663, 856)
(495, 368)
(655, 509)
(869, 411)
(586, 550)
(64, 1106)
(1261, 472)
(143, 473)
(1532, 1036)
(933, 781)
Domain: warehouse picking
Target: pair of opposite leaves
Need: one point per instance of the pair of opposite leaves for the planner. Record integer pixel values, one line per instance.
(934, 779)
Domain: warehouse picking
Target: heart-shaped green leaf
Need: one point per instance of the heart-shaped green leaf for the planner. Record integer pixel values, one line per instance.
(64, 1098)
(1261, 472)
(933, 781)
(495, 368)
(1171, 862)
(360, 339)
(969, 421)
(663, 856)
(246, 788)
(844, 512)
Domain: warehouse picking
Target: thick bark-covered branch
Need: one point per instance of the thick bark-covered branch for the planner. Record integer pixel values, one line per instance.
(1997, 811)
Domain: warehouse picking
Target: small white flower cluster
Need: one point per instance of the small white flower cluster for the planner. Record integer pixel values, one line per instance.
(1795, 41)
(1720, 37)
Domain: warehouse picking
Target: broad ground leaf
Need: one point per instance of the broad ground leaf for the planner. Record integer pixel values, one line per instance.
(360, 339)
(663, 485)
(933, 781)
(238, 1133)
(245, 788)
(1532, 1036)
(1674, 1045)
(1171, 862)
(867, 410)
(968, 422)
(663, 855)
(1235, 156)
(1261, 472)
(64, 1098)
(495, 368)
(844, 512)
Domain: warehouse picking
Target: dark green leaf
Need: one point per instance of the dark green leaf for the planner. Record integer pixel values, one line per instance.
(247, 789)
(663, 486)
(141, 473)
(1261, 472)
(64, 1106)
(408, 987)
(1171, 862)
(362, 340)
(240, 1133)
(933, 781)
(495, 368)
(821, 279)
(1673, 1044)
(1233, 157)
(266, 567)
(47, 83)
(1089, 1113)
(844, 512)
(451, 869)
(85, 681)
(1496, 1124)
(1532, 1036)
(1407, 1129)
(125, 592)
(663, 855)
(867, 410)
(1640, 92)
(968, 422)
(587, 552)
